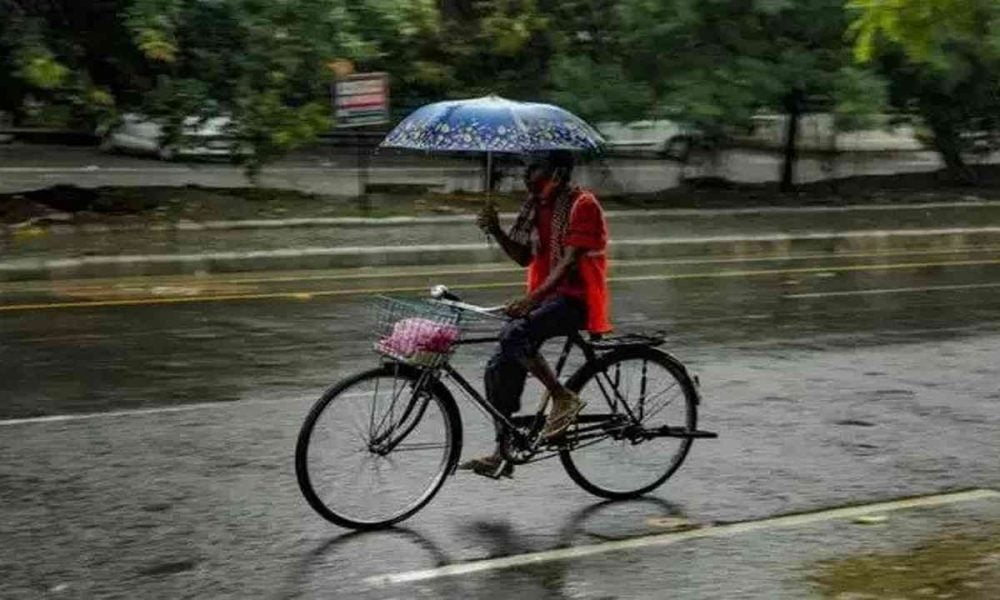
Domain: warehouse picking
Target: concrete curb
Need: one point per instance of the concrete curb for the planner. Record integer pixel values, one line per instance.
(401, 221)
(366, 256)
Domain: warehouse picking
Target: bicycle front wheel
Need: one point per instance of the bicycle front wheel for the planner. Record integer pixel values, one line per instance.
(377, 447)
(632, 395)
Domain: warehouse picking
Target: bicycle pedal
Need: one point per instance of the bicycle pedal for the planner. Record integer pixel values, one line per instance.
(504, 469)
(699, 434)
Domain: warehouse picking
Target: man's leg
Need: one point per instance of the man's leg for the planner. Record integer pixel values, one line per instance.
(505, 377)
(518, 354)
(504, 380)
(556, 317)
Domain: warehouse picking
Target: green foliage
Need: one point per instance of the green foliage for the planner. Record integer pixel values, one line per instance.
(41, 70)
(600, 91)
(511, 25)
(922, 27)
(46, 76)
(713, 64)
(263, 64)
(153, 24)
(405, 38)
(717, 62)
(858, 95)
(943, 60)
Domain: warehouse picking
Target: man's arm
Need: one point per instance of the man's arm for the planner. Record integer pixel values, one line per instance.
(489, 222)
(565, 264)
(519, 253)
(525, 305)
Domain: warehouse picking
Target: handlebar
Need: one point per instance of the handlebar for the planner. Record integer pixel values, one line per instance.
(443, 295)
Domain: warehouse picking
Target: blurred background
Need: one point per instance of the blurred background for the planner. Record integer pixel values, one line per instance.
(912, 84)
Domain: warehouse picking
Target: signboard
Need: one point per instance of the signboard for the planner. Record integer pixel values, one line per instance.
(361, 99)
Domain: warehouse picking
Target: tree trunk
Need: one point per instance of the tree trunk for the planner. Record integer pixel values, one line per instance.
(949, 145)
(793, 108)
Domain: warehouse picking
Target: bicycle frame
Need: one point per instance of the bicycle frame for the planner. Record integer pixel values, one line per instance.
(588, 426)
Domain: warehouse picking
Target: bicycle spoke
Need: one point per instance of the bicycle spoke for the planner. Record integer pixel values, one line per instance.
(371, 414)
(354, 480)
(397, 390)
(642, 390)
(621, 461)
(662, 406)
(661, 392)
(359, 430)
(417, 446)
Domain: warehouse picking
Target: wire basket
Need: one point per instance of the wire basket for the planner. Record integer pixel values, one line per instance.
(416, 332)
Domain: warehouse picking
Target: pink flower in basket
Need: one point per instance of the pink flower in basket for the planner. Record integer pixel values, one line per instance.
(410, 336)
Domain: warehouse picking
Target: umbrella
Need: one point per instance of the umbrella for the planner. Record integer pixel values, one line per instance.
(493, 124)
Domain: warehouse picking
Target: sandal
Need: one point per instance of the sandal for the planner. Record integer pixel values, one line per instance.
(558, 423)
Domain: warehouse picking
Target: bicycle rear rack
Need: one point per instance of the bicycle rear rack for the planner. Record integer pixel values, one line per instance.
(627, 340)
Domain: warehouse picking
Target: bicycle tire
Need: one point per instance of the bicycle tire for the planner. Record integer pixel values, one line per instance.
(578, 382)
(452, 420)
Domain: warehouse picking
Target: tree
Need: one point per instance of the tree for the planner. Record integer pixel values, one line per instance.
(497, 47)
(942, 58)
(262, 63)
(715, 63)
(588, 71)
(52, 58)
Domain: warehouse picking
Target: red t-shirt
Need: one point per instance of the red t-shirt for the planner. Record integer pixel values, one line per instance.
(587, 229)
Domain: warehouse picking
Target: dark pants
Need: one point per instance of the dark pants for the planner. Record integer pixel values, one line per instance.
(520, 340)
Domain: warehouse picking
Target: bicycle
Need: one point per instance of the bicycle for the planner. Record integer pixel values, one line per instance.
(416, 429)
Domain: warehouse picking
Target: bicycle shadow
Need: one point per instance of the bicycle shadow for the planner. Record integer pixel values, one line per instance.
(499, 538)
(347, 548)
(548, 580)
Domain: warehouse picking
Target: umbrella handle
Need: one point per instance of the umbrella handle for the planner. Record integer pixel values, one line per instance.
(489, 189)
(489, 239)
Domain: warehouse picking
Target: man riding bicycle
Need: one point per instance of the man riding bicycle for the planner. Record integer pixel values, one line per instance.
(561, 236)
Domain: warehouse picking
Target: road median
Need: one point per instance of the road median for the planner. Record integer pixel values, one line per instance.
(319, 257)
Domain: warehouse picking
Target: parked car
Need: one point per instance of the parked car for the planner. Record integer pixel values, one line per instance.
(200, 137)
(666, 139)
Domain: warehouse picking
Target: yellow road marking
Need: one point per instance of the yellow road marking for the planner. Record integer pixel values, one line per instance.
(365, 273)
(638, 262)
(902, 290)
(806, 270)
(300, 295)
(222, 298)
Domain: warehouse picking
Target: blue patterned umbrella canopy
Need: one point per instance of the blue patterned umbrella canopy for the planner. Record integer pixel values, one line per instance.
(493, 124)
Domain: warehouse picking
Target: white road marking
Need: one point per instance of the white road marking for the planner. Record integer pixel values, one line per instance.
(813, 235)
(772, 210)
(148, 411)
(902, 290)
(664, 539)
(424, 248)
(97, 284)
(204, 170)
(611, 214)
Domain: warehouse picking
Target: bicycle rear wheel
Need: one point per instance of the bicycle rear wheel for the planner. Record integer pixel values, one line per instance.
(617, 457)
(377, 447)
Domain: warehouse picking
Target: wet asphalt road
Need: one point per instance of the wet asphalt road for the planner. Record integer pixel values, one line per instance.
(625, 225)
(832, 380)
(27, 167)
